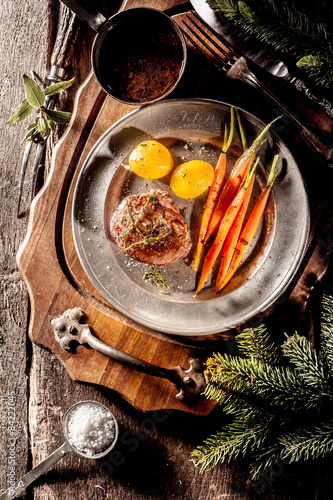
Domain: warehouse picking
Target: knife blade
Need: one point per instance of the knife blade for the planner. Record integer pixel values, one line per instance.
(257, 53)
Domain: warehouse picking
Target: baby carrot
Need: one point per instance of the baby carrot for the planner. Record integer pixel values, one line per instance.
(224, 228)
(214, 191)
(210, 204)
(234, 181)
(233, 234)
(250, 228)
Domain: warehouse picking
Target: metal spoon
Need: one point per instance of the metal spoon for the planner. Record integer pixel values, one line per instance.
(37, 471)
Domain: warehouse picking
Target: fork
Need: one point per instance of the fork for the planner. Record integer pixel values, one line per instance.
(224, 58)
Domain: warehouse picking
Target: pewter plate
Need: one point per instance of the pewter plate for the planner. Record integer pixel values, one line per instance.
(191, 129)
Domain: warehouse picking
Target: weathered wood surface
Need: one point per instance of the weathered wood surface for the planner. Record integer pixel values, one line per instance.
(22, 49)
(154, 463)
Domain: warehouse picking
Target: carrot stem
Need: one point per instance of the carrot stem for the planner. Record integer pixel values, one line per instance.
(238, 173)
(224, 228)
(241, 130)
(250, 228)
(226, 144)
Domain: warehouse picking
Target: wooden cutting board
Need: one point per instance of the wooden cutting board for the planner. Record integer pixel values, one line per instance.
(56, 281)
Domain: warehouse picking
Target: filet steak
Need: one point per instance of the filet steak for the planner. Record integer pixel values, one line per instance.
(150, 228)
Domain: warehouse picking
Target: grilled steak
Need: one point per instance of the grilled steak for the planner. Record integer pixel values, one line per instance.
(150, 228)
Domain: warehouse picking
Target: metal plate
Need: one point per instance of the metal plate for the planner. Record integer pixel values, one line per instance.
(191, 129)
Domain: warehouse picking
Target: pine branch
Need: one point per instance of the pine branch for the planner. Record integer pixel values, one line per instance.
(318, 66)
(280, 411)
(268, 457)
(236, 439)
(257, 343)
(303, 356)
(279, 385)
(327, 333)
(270, 21)
(309, 442)
(288, 29)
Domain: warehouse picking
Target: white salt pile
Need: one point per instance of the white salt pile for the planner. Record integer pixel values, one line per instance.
(91, 428)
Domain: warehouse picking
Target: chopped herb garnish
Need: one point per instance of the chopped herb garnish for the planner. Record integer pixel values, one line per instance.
(152, 274)
(151, 237)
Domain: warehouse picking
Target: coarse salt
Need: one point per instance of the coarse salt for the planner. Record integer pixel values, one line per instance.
(91, 429)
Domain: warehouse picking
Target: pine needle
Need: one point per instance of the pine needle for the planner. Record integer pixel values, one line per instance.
(257, 343)
(280, 402)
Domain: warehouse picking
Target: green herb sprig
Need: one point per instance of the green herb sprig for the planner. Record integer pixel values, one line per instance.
(280, 400)
(152, 274)
(303, 30)
(46, 117)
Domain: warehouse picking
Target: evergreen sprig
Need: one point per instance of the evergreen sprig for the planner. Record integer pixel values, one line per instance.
(280, 400)
(304, 31)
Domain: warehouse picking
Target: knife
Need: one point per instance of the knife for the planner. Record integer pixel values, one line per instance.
(253, 50)
(67, 32)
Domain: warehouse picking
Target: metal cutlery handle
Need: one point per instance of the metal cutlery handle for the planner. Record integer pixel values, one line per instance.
(87, 12)
(324, 103)
(35, 473)
(320, 142)
(67, 329)
(67, 32)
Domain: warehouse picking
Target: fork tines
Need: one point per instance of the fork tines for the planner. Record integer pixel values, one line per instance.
(208, 43)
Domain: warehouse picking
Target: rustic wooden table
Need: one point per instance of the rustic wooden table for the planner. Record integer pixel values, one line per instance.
(153, 455)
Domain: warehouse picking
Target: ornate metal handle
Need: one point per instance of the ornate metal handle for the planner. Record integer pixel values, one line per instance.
(37, 471)
(320, 142)
(67, 328)
(324, 103)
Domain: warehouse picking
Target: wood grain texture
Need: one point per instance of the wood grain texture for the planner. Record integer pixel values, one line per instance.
(16, 35)
(154, 449)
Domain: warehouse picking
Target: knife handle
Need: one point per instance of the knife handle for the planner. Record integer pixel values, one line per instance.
(67, 33)
(319, 141)
(323, 102)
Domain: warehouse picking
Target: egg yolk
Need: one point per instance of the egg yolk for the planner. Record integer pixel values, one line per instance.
(151, 160)
(192, 178)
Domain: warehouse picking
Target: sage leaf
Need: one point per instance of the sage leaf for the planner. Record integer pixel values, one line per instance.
(43, 126)
(21, 112)
(51, 124)
(58, 116)
(35, 95)
(30, 135)
(56, 88)
(32, 125)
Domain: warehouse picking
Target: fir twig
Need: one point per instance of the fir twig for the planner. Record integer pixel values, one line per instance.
(257, 343)
(303, 356)
(327, 333)
(281, 402)
(268, 457)
(305, 34)
(235, 440)
(279, 385)
(309, 442)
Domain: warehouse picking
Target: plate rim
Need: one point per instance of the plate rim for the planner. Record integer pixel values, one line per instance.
(269, 301)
